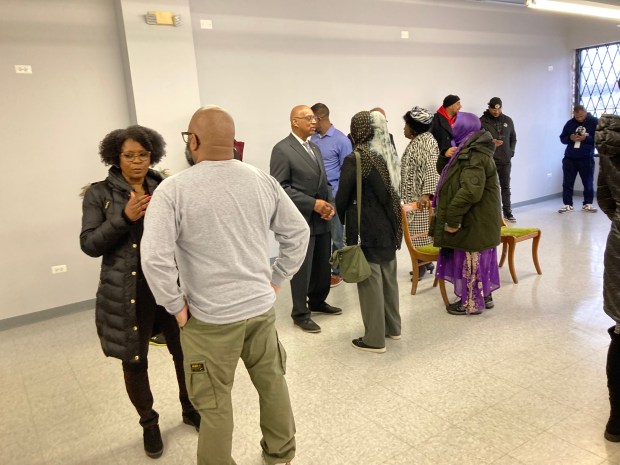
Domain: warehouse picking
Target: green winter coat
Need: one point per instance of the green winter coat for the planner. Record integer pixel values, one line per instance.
(469, 198)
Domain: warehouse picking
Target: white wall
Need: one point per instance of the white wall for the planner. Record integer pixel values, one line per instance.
(352, 59)
(51, 123)
(260, 60)
(161, 72)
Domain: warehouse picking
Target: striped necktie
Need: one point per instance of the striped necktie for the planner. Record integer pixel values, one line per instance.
(309, 150)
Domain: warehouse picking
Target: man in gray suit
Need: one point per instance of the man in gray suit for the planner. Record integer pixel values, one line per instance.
(298, 166)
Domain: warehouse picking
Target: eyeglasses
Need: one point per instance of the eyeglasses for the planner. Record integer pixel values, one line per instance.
(130, 156)
(307, 118)
(185, 136)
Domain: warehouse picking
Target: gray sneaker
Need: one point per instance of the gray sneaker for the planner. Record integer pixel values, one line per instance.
(566, 209)
(588, 208)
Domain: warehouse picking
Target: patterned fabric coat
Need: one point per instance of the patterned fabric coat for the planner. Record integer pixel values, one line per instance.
(608, 197)
(419, 177)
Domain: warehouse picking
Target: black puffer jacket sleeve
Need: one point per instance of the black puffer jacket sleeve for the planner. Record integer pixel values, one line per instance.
(99, 233)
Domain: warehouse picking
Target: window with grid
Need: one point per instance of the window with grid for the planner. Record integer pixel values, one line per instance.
(597, 74)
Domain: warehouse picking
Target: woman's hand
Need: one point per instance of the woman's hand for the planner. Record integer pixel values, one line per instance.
(136, 206)
(424, 201)
(450, 151)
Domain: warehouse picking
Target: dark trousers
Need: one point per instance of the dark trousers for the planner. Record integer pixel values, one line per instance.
(503, 172)
(310, 285)
(153, 319)
(585, 168)
(613, 381)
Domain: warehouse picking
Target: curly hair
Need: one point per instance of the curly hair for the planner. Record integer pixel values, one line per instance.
(415, 126)
(110, 146)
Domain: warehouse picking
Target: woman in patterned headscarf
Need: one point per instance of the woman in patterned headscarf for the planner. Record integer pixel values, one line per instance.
(468, 218)
(418, 173)
(380, 229)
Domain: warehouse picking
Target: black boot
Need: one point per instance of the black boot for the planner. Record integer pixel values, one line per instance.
(153, 445)
(612, 430)
(421, 271)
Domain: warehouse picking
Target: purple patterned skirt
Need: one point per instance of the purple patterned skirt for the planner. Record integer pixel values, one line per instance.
(473, 274)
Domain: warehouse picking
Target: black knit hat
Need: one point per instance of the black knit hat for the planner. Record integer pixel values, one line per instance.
(450, 100)
(495, 103)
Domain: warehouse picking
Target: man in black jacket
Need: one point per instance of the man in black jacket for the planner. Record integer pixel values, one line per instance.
(502, 129)
(441, 128)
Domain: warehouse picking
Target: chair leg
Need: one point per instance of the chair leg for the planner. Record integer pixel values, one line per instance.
(511, 261)
(504, 251)
(442, 289)
(415, 277)
(535, 242)
(435, 281)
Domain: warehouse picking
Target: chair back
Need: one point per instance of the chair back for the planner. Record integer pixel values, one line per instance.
(407, 208)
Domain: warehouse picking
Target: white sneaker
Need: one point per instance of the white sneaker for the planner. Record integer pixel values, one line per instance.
(566, 209)
(588, 208)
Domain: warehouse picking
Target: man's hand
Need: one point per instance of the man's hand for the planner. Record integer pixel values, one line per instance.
(324, 209)
(276, 288)
(498, 142)
(450, 151)
(183, 315)
(136, 206)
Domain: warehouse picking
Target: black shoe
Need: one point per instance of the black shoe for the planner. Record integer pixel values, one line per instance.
(430, 267)
(488, 301)
(457, 308)
(611, 437)
(361, 345)
(327, 309)
(158, 340)
(153, 445)
(308, 326)
(509, 217)
(192, 419)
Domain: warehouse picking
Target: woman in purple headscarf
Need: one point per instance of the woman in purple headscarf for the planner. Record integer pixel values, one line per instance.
(467, 219)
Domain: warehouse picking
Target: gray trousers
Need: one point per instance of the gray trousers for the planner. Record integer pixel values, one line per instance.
(379, 303)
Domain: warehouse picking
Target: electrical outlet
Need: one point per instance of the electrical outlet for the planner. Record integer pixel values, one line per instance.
(549, 175)
(59, 269)
(206, 24)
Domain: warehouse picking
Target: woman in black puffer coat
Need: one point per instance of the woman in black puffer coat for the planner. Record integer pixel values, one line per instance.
(125, 312)
(608, 197)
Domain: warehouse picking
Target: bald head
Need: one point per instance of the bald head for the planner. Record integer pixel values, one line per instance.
(380, 110)
(303, 121)
(213, 132)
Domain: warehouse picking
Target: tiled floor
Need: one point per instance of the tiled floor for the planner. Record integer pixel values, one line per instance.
(522, 384)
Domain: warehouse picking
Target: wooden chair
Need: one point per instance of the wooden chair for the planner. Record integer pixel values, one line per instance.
(420, 255)
(510, 237)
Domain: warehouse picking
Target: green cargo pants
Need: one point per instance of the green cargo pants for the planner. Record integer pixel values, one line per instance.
(211, 353)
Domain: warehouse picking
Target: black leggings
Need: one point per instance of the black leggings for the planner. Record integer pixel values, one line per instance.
(152, 319)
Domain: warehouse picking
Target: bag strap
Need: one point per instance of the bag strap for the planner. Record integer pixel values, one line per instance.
(358, 170)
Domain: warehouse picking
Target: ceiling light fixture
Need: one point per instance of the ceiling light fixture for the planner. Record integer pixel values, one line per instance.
(578, 7)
